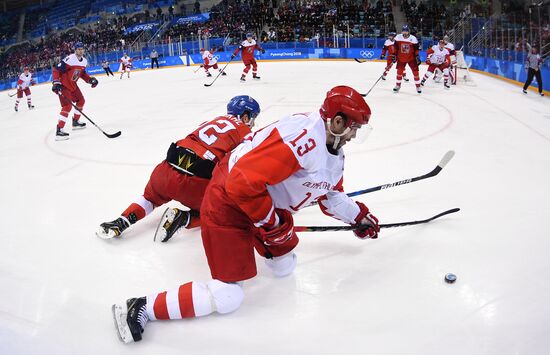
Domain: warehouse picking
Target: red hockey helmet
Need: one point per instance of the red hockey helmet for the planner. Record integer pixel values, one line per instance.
(201, 50)
(349, 103)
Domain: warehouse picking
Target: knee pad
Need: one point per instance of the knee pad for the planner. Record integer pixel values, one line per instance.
(225, 297)
(282, 265)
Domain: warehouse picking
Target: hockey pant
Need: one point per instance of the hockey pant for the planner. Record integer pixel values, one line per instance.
(401, 70)
(247, 64)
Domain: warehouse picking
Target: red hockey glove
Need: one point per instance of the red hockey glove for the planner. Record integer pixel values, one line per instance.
(281, 233)
(370, 225)
(93, 82)
(393, 59)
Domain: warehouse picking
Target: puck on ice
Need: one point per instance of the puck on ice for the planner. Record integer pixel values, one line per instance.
(450, 278)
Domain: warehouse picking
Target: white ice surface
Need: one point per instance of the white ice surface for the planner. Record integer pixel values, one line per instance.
(347, 296)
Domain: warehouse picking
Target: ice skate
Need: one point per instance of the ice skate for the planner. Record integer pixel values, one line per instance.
(172, 220)
(383, 76)
(208, 75)
(423, 82)
(78, 125)
(406, 79)
(31, 107)
(243, 79)
(541, 94)
(223, 73)
(16, 109)
(446, 85)
(418, 90)
(108, 230)
(130, 319)
(256, 77)
(60, 135)
(397, 88)
(524, 91)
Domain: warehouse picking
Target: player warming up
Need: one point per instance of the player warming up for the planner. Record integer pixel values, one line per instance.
(125, 65)
(187, 169)
(65, 77)
(389, 52)
(249, 204)
(24, 83)
(438, 57)
(209, 62)
(407, 53)
(247, 48)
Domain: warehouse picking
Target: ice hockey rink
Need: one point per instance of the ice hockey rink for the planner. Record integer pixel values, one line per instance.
(346, 296)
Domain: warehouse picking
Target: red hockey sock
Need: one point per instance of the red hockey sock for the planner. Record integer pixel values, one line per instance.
(134, 213)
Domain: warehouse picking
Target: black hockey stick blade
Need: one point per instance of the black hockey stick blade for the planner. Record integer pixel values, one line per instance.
(114, 135)
(359, 60)
(389, 225)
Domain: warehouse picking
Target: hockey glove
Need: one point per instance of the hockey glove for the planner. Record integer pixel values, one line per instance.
(393, 59)
(263, 51)
(93, 81)
(418, 61)
(57, 87)
(233, 56)
(281, 233)
(382, 56)
(369, 223)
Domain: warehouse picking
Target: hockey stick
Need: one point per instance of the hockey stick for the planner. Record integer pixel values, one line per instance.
(196, 70)
(220, 73)
(372, 87)
(359, 60)
(444, 161)
(12, 95)
(114, 135)
(389, 225)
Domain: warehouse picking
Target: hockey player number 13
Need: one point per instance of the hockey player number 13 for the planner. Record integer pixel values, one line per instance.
(221, 126)
(306, 147)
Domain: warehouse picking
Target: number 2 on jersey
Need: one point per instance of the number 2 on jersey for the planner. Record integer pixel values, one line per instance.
(220, 126)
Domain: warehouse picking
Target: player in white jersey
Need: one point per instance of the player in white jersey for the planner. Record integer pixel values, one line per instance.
(248, 206)
(438, 57)
(23, 86)
(209, 61)
(438, 73)
(125, 65)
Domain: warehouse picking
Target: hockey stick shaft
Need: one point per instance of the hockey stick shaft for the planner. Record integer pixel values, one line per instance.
(359, 60)
(444, 161)
(12, 95)
(353, 227)
(114, 135)
(196, 70)
(220, 73)
(372, 87)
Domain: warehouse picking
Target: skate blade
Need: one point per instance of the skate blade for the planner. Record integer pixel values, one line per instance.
(78, 128)
(61, 138)
(103, 235)
(160, 233)
(119, 316)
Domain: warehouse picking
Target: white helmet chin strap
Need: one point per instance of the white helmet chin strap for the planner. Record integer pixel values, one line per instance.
(336, 135)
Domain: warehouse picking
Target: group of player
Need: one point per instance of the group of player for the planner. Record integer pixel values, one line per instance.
(403, 49)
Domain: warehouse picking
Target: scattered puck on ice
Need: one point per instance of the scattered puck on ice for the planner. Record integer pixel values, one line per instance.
(450, 278)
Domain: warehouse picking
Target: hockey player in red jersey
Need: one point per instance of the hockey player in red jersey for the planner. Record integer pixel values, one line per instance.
(247, 48)
(389, 51)
(187, 169)
(249, 204)
(125, 65)
(65, 76)
(438, 57)
(407, 52)
(209, 61)
(24, 83)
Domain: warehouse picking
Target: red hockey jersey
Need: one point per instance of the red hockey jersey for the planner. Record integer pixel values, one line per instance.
(70, 70)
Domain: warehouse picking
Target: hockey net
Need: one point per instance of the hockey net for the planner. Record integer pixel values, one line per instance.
(462, 71)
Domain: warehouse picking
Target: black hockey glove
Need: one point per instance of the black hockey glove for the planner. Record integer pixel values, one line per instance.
(233, 56)
(393, 59)
(263, 51)
(93, 82)
(382, 56)
(57, 87)
(418, 61)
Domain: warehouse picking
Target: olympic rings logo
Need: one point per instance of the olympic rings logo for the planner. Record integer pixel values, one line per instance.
(366, 54)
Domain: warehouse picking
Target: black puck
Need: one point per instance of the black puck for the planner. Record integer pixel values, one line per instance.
(450, 278)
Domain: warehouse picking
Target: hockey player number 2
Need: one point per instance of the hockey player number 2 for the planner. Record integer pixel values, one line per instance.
(303, 148)
(221, 126)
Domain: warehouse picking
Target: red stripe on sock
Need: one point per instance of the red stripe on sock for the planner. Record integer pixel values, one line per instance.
(185, 298)
(160, 308)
